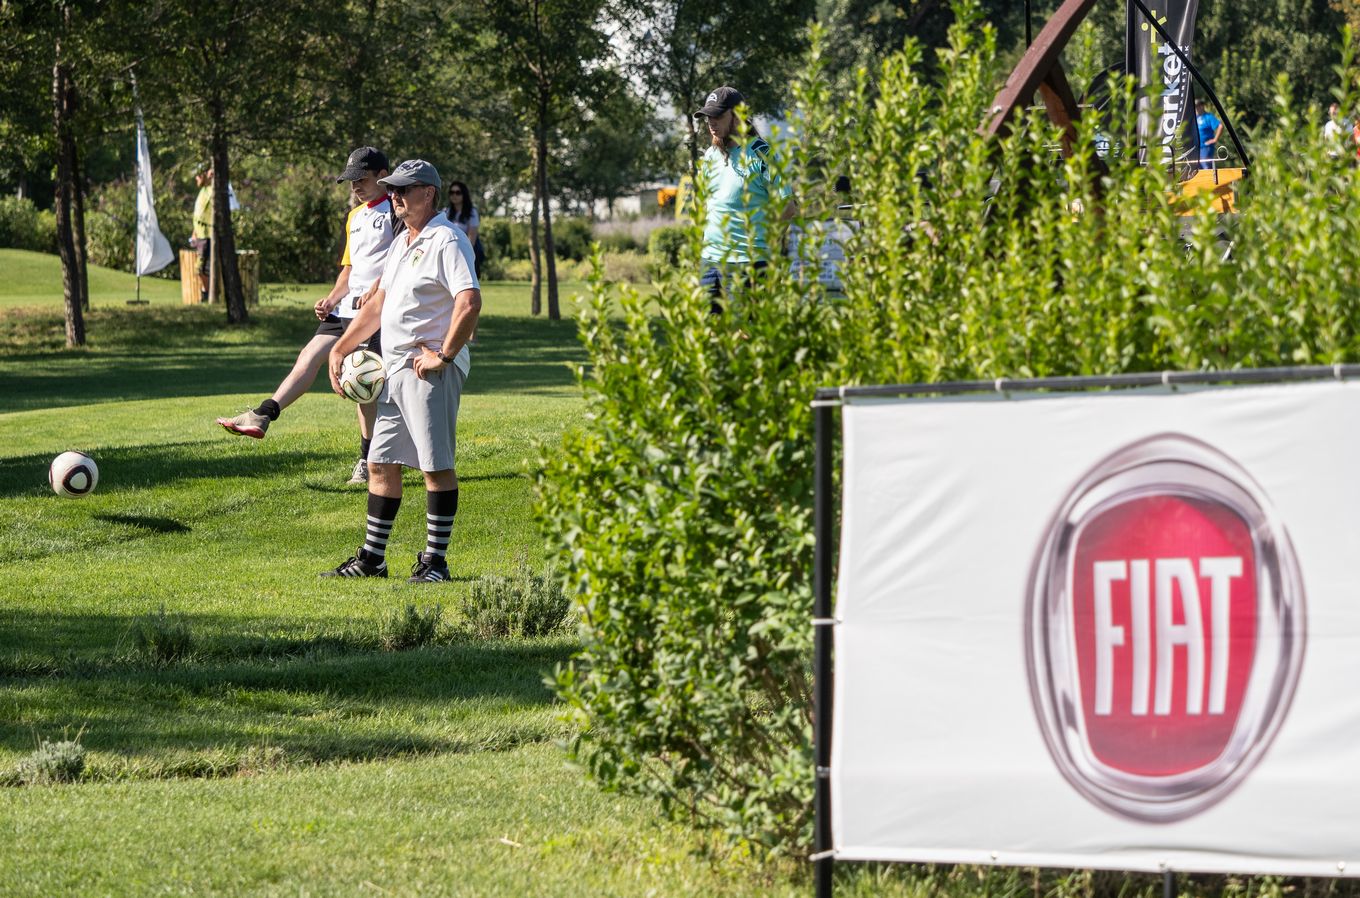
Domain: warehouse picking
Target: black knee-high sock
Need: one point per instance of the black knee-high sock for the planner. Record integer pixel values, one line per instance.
(270, 409)
(364, 444)
(440, 508)
(382, 512)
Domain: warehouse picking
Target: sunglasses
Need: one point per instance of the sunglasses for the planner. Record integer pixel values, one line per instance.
(401, 191)
(455, 192)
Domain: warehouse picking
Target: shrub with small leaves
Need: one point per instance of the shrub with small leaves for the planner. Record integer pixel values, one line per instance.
(163, 638)
(410, 627)
(529, 603)
(666, 245)
(681, 507)
(53, 762)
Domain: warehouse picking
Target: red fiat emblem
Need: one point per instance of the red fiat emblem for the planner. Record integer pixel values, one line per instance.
(1165, 629)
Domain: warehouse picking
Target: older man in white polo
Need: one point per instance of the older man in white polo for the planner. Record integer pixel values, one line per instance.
(427, 307)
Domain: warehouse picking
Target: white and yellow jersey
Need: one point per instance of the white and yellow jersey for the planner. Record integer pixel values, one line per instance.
(368, 234)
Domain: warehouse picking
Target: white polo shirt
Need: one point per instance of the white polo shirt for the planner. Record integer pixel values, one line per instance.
(420, 281)
(368, 234)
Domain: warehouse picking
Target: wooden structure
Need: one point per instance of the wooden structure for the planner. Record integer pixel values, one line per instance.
(247, 263)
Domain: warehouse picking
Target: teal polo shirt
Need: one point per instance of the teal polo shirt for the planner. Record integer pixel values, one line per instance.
(738, 185)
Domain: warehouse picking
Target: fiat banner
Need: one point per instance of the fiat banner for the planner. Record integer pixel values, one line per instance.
(1116, 630)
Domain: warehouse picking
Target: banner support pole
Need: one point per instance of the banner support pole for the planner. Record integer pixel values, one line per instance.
(1168, 883)
(823, 523)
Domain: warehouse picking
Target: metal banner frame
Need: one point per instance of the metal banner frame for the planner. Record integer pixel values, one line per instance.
(826, 506)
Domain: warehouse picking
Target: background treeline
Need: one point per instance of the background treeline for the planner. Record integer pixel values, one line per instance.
(540, 105)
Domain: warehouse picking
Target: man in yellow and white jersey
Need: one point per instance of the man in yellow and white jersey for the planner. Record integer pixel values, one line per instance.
(368, 234)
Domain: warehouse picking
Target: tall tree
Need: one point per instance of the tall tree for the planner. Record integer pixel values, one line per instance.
(682, 49)
(63, 117)
(240, 73)
(546, 50)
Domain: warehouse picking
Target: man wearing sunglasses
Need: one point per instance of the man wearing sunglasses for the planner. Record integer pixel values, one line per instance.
(368, 234)
(427, 306)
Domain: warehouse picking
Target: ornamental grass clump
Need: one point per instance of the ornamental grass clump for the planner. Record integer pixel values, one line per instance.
(163, 638)
(409, 627)
(529, 603)
(52, 763)
(681, 508)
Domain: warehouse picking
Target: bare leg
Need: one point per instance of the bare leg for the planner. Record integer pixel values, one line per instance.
(385, 480)
(305, 369)
(440, 481)
(368, 414)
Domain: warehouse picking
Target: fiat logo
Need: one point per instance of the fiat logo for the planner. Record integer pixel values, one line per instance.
(1165, 629)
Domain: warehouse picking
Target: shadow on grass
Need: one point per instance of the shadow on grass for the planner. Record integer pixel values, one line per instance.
(161, 353)
(329, 698)
(156, 465)
(144, 522)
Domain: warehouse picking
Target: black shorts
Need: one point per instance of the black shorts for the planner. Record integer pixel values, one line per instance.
(334, 326)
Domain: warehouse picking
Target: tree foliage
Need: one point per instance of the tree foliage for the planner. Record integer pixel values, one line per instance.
(682, 49)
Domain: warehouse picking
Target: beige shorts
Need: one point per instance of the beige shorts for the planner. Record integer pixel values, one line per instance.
(417, 420)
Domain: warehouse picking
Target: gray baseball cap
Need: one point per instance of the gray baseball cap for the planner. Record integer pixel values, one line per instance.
(412, 171)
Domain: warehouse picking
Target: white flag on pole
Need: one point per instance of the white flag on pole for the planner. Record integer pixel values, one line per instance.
(153, 250)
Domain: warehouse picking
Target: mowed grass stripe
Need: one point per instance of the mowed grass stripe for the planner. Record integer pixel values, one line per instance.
(517, 823)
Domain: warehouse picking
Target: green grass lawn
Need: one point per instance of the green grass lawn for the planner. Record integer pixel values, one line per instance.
(287, 753)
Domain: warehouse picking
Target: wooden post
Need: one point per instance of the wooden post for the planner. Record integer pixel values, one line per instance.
(248, 264)
(188, 277)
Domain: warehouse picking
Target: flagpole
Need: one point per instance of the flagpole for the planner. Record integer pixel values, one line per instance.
(136, 162)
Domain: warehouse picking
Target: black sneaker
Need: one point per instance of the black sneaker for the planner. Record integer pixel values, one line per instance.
(359, 565)
(429, 568)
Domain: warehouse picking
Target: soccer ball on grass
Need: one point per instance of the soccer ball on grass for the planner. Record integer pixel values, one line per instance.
(73, 474)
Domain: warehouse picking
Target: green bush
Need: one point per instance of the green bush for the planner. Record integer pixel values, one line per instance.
(529, 603)
(666, 245)
(682, 504)
(52, 763)
(504, 239)
(619, 241)
(294, 216)
(24, 226)
(572, 238)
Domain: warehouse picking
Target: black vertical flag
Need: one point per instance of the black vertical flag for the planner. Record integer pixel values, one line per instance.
(1166, 123)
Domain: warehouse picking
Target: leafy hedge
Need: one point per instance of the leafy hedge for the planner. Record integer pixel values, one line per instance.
(24, 226)
(681, 507)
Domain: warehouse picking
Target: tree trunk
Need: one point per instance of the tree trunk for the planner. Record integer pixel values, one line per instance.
(65, 147)
(535, 261)
(549, 253)
(78, 221)
(693, 147)
(223, 237)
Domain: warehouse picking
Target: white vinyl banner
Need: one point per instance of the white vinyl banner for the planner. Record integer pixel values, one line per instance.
(153, 250)
(1115, 630)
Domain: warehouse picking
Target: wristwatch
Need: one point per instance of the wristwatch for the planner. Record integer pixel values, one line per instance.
(446, 359)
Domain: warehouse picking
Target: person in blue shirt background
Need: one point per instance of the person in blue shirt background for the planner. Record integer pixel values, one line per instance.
(736, 176)
(1210, 129)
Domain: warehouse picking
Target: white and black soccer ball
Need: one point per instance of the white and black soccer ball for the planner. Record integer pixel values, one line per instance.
(73, 474)
(362, 376)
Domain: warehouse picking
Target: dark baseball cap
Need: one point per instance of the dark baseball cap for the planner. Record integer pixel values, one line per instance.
(363, 161)
(721, 100)
(412, 171)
